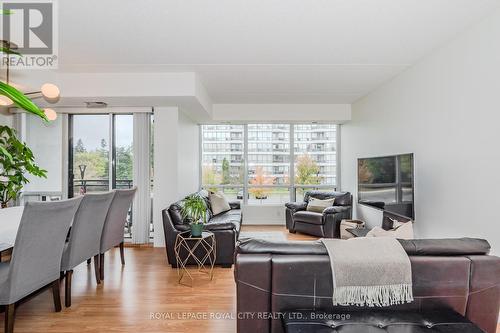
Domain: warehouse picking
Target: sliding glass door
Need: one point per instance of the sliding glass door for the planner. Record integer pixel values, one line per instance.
(100, 155)
(89, 154)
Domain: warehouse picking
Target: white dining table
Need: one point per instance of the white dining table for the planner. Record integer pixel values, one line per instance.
(10, 218)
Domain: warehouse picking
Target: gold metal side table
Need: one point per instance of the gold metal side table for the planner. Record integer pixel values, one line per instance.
(201, 249)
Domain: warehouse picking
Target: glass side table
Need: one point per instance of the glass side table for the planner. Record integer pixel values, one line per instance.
(201, 249)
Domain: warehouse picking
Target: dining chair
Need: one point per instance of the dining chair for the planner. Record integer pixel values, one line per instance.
(85, 237)
(112, 233)
(36, 258)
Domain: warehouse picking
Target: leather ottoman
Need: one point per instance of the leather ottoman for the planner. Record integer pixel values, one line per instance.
(367, 321)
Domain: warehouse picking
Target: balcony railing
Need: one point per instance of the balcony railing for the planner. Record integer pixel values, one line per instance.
(82, 186)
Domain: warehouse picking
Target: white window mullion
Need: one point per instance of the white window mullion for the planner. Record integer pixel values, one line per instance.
(337, 158)
(245, 159)
(292, 163)
(111, 144)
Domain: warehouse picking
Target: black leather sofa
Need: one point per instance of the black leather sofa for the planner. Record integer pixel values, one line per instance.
(326, 224)
(225, 226)
(287, 287)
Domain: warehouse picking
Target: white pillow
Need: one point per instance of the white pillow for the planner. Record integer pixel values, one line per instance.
(404, 231)
(218, 202)
(317, 205)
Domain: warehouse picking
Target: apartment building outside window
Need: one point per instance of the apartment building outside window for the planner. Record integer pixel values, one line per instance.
(268, 163)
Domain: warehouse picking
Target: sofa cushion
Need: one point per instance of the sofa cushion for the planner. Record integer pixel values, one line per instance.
(223, 225)
(225, 220)
(308, 217)
(441, 320)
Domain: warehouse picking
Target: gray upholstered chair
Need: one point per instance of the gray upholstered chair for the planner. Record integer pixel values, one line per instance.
(36, 258)
(85, 237)
(112, 233)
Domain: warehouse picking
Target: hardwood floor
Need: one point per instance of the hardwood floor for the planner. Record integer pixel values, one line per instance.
(142, 296)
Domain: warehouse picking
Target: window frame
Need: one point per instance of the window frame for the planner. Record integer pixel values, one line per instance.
(292, 187)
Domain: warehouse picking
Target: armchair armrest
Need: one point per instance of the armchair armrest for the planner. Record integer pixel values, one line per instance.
(234, 204)
(335, 209)
(332, 216)
(296, 206)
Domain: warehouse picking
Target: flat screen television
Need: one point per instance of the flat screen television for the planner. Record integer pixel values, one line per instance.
(387, 183)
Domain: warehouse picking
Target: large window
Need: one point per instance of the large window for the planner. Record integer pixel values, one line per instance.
(223, 159)
(269, 163)
(315, 157)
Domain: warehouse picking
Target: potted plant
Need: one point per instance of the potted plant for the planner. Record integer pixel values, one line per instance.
(16, 161)
(194, 209)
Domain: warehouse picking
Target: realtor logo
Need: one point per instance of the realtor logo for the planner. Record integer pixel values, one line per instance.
(31, 26)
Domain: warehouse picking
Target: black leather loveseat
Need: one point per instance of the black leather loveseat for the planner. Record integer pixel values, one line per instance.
(287, 287)
(326, 224)
(225, 226)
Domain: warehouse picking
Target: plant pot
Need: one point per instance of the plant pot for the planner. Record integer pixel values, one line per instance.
(196, 229)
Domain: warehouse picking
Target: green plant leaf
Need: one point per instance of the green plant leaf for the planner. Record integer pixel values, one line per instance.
(8, 51)
(16, 162)
(21, 100)
(6, 153)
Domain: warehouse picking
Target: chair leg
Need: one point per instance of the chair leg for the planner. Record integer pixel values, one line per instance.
(56, 296)
(101, 266)
(96, 269)
(9, 318)
(88, 261)
(67, 288)
(122, 254)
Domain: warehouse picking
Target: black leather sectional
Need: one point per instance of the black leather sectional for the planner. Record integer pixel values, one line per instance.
(456, 286)
(225, 226)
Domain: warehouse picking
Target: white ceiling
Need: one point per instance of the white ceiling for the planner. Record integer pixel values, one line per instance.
(263, 51)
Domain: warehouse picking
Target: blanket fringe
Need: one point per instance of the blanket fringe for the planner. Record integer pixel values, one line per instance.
(384, 295)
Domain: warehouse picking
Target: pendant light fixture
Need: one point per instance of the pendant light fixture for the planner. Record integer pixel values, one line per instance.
(48, 91)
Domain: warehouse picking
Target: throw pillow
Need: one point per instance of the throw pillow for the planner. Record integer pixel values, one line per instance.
(404, 231)
(317, 205)
(218, 202)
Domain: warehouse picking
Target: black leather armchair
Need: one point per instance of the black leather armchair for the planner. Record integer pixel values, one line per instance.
(326, 224)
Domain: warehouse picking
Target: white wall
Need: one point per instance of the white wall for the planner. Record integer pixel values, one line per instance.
(445, 110)
(176, 162)
(165, 166)
(335, 113)
(6, 119)
(188, 156)
(264, 214)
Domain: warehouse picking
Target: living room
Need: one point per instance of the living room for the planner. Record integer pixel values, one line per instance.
(209, 162)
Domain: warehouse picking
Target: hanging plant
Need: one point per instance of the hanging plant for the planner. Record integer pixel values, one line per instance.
(16, 161)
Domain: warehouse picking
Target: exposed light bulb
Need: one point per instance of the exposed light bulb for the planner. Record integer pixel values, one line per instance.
(50, 92)
(50, 113)
(5, 101)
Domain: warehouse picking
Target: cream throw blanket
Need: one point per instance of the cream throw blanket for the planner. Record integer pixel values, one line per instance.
(369, 271)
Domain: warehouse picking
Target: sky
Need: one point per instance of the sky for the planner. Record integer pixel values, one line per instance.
(91, 129)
